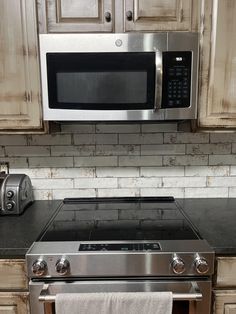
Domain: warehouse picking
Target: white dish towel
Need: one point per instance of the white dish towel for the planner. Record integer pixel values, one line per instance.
(114, 303)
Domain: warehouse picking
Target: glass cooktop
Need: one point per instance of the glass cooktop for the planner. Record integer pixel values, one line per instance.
(107, 219)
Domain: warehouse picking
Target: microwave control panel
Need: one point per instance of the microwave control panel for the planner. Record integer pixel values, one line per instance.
(176, 79)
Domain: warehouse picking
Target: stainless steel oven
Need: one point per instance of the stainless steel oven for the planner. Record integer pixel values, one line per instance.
(189, 296)
(119, 77)
(121, 245)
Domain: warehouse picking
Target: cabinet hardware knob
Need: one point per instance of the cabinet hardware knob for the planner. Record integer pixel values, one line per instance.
(108, 16)
(129, 15)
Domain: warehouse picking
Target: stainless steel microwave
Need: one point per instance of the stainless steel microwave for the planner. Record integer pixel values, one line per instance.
(119, 77)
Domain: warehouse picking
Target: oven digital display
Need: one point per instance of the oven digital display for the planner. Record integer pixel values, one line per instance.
(134, 247)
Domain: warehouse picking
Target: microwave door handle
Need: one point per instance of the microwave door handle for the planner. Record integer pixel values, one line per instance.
(158, 86)
(193, 295)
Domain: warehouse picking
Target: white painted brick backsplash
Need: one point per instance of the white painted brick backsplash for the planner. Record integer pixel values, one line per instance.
(118, 128)
(46, 195)
(95, 183)
(42, 173)
(232, 192)
(72, 172)
(164, 149)
(185, 160)
(220, 160)
(2, 153)
(147, 138)
(96, 161)
(135, 159)
(42, 184)
(184, 182)
(11, 140)
(117, 172)
(187, 138)
(207, 149)
(27, 151)
(82, 150)
(116, 150)
(41, 162)
(53, 139)
(223, 137)
(198, 171)
(140, 161)
(161, 171)
(61, 194)
(89, 139)
(118, 192)
(205, 192)
(159, 127)
(15, 162)
(233, 170)
(234, 148)
(139, 182)
(175, 192)
(78, 128)
(221, 181)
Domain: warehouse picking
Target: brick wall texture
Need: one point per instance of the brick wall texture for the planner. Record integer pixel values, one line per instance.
(106, 160)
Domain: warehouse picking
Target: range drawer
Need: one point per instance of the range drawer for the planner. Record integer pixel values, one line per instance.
(13, 274)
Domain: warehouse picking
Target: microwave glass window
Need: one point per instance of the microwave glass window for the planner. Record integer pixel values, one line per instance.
(102, 87)
(107, 81)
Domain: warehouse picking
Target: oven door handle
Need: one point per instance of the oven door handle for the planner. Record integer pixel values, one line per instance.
(194, 295)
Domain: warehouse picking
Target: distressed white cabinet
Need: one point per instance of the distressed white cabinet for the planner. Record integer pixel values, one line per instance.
(157, 15)
(20, 107)
(225, 286)
(75, 16)
(217, 101)
(117, 15)
(14, 297)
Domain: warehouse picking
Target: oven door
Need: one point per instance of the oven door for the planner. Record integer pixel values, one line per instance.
(189, 297)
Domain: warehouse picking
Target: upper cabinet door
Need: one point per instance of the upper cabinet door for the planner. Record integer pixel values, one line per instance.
(158, 15)
(19, 69)
(76, 16)
(218, 75)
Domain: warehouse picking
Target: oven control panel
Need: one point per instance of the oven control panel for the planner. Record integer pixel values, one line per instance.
(133, 247)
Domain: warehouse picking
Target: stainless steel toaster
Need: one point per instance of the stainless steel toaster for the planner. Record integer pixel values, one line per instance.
(16, 193)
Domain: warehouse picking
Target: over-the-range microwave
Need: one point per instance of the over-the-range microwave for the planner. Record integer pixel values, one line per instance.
(119, 77)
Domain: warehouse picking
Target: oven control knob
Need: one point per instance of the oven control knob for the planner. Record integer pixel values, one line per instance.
(39, 267)
(178, 265)
(201, 265)
(62, 266)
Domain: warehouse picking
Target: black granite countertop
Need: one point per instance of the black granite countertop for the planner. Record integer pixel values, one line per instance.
(17, 233)
(215, 220)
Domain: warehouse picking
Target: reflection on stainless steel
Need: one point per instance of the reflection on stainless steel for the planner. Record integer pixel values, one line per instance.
(137, 260)
(132, 42)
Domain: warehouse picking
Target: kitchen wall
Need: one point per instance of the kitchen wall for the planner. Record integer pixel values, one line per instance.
(124, 160)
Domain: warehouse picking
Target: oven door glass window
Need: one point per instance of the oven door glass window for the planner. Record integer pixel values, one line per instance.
(101, 81)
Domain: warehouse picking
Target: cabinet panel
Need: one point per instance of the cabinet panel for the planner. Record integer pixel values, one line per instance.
(226, 266)
(13, 275)
(218, 75)
(78, 15)
(225, 302)
(14, 303)
(152, 15)
(230, 308)
(19, 70)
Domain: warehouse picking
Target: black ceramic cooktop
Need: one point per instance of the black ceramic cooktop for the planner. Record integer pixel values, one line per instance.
(104, 219)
